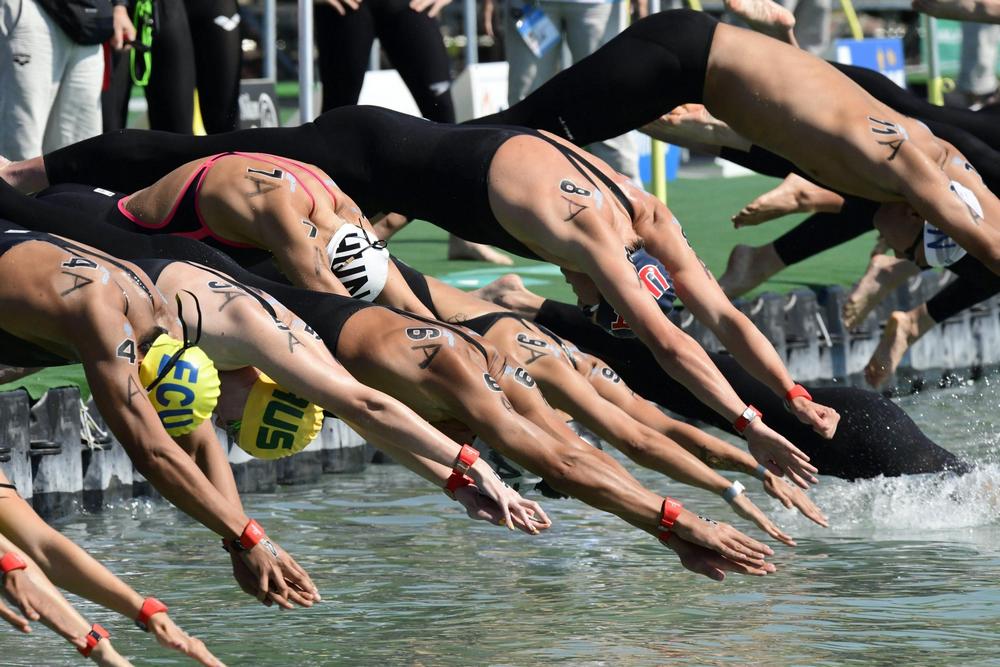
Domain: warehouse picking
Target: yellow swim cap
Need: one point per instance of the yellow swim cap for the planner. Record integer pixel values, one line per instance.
(277, 423)
(189, 388)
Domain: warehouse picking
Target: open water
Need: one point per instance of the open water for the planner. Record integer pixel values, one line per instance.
(908, 573)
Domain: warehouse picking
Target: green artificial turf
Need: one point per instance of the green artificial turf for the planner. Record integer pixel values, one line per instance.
(702, 205)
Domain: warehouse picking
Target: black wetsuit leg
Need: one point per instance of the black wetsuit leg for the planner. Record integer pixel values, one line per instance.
(975, 284)
(822, 231)
(129, 160)
(875, 437)
(654, 65)
(218, 57)
(957, 296)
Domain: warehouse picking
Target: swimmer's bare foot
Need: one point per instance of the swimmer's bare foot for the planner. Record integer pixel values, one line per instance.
(692, 124)
(387, 224)
(884, 274)
(462, 249)
(748, 267)
(765, 17)
(794, 195)
(900, 332)
(509, 291)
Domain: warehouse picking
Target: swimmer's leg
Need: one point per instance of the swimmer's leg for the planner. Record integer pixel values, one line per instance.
(794, 195)
(883, 275)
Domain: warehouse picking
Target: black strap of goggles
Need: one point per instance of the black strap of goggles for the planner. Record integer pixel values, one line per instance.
(187, 344)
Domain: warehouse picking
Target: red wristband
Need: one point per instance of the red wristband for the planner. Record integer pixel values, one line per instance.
(798, 391)
(10, 562)
(749, 415)
(96, 634)
(670, 510)
(252, 534)
(467, 457)
(455, 482)
(150, 606)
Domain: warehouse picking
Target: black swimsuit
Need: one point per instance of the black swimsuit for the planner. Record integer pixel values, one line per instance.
(108, 206)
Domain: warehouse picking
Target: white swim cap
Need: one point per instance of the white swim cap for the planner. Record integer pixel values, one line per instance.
(359, 260)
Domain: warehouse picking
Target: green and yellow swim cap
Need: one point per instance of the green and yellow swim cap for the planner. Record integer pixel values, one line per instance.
(276, 423)
(188, 390)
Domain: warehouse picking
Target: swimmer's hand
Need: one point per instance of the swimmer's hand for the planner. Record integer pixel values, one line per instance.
(507, 499)
(434, 6)
(274, 577)
(343, 6)
(479, 506)
(105, 655)
(774, 452)
(123, 31)
(792, 496)
(707, 562)
(16, 621)
(822, 419)
(746, 509)
(37, 604)
(171, 636)
(723, 539)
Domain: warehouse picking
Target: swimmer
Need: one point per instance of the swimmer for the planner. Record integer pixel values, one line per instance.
(528, 193)
(49, 558)
(566, 377)
(62, 304)
(252, 338)
(452, 377)
(257, 206)
(875, 437)
(841, 136)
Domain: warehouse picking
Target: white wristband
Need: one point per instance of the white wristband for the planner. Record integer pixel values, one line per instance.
(760, 472)
(730, 494)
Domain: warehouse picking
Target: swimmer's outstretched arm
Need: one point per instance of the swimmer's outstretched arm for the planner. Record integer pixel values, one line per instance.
(73, 569)
(34, 595)
(682, 358)
(122, 401)
(706, 448)
(243, 334)
(701, 294)
(568, 390)
(648, 447)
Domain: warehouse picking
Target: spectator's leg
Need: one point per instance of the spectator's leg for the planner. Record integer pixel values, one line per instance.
(526, 72)
(76, 110)
(413, 43)
(344, 44)
(977, 75)
(812, 24)
(27, 85)
(114, 100)
(218, 56)
(588, 27)
(170, 92)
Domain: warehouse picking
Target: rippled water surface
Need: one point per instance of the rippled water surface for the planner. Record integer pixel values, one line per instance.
(909, 572)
